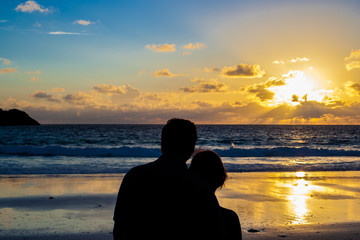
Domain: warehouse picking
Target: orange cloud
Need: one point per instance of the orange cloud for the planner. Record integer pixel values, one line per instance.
(8, 70)
(45, 96)
(213, 69)
(294, 60)
(206, 86)
(261, 90)
(195, 46)
(353, 61)
(166, 73)
(57, 89)
(243, 71)
(161, 47)
(355, 87)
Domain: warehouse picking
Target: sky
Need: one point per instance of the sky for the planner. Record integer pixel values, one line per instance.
(214, 62)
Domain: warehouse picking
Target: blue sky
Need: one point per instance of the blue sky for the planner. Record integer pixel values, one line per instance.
(211, 61)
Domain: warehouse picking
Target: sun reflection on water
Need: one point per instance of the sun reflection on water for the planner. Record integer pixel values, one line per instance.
(299, 194)
(298, 197)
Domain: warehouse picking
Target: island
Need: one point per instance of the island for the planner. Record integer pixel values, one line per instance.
(15, 117)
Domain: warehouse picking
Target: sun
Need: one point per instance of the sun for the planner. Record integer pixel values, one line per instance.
(298, 88)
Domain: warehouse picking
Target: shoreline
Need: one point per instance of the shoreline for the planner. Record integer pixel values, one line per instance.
(290, 205)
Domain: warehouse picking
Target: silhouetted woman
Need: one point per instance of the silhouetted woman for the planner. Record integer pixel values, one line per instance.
(208, 166)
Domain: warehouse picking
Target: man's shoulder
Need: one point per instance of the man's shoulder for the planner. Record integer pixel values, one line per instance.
(141, 169)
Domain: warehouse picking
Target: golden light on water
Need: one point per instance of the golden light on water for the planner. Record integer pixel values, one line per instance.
(298, 200)
(300, 193)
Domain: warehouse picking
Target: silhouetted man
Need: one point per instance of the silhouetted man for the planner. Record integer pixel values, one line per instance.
(162, 199)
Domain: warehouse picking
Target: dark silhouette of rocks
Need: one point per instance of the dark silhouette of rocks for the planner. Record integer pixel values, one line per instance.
(15, 117)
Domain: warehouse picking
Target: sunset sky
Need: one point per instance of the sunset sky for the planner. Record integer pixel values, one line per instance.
(218, 62)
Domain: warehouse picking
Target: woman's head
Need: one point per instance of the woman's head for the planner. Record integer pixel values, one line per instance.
(208, 166)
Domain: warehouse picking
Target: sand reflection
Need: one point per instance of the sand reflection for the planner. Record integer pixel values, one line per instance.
(300, 191)
(293, 198)
(298, 198)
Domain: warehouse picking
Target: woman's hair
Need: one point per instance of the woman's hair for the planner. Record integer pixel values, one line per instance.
(208, 166)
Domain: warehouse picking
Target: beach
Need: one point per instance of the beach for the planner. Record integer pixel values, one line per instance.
(270, 205)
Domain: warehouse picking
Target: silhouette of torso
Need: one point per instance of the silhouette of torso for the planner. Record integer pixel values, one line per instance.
(163, 200)
(232, 224)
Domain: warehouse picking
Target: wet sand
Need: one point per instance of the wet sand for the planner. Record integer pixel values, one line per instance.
(312, 205)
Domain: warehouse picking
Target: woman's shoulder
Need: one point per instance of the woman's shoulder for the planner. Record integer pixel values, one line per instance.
(229, 214)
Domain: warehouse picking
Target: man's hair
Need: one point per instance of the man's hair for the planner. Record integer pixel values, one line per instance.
(178, 138)
(208, 166)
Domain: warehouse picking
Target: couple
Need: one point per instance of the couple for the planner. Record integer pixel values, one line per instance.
(166, 200)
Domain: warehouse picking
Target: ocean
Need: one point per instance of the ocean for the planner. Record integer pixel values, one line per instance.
(98, 149)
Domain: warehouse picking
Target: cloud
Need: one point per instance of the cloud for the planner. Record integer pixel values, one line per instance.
(43, 95)
(142, 72)
(243, 71)
(206, 86)
(166, 73)
(274, 82)
(63, 33)
(106, 96)
(31, 6)
(295, 98)
(261, 90)
(8, 70)
(195, 46)
(57, 89)
(5, 61)
(81, 98)
(213, 69)
(355, 87)
(34, 78)
(128, 95)
(112, 89)
(279, 62)
(161, 47)
(304, 59)
(353, 61)
(294, 60)
(83, 22)
(37, 72)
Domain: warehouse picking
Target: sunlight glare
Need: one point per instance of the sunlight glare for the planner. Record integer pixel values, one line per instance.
(300, 174)
(298, 88)
(298, 197)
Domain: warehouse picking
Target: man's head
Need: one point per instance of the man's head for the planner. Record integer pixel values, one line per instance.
(178, 138)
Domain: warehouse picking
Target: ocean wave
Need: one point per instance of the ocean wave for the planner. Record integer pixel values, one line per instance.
(125, 151)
